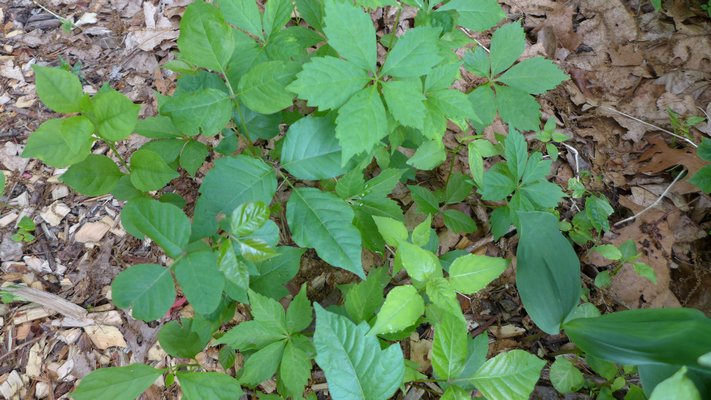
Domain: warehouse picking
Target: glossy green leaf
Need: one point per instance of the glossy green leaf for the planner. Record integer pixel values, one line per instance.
(205, 111)
(149, 171)
(59, 89)
(61, 142)
(117, 383)
(147, 289)
(361, 123)
(351, 33)
(201, 280)
(205, 38)
(114, 115)
(234, 270)
(471, 273)
(209, 385)
(414, 54)
(263, 88)
(402, 308)
(353, 362)
(164, 223)
(247, 218)
(95, 176)
(328, 82)
(322, 221)
(509, 376)
(420, 264)
(449, 348)
(565, 377)
(476, 15)
(311, 150)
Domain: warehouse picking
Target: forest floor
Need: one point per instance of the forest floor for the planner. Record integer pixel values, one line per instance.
(629, 65)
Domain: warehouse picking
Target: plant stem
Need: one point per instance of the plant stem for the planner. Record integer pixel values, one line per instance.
(112, 146)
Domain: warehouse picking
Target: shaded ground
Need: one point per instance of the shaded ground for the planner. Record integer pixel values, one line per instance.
(623, 58)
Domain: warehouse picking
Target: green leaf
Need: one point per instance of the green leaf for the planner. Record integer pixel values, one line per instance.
(477, 350)
(361, 123)
(414, 54)
(420, 264)
(498, 183)
(149, 171)
(678, 386)
(205, 38)
(704, 149)
(157, 127)
(242, 14)
(351, 184)
(598, 210)
(657, 4)
(547, 271)
(2, 183)
(247, 218)
(459, 222)
(180, 340)
(405, 102)
(231, 182)
(507, 44)
(95, 176)
(322, 221)
(421, 233)
(392, 230)
(114, 115)
(263, 88)
(312, 12)
(424, 199)
(354, 365)
(453, 104)
(61, 142)
(442, 76)
(276, 271)
(534, 75)
(609, 251)
(402, 308)
(164, 223)
(200, 280)
(383, 184)
(117, 383)
(484, 103)
(299, 314)
(234, 270)
(60, 90)
(449, 348)
(276, 14)
(262, 365)
(544, 194)
(209, 385)
(517, 108)
(509, 376)
(168, 149)
(702, 179)
(516, 153)
(311, 150)
(351, 33)
(478, 61)
(565, 377)
(205, 111)
(476, 15)
(471, 273)
(457, 189)
(193, 156)
(253, 335)
(145, 288)
(294, 370)
(645, 271)
(363, 299)
(429, 155)
(644, 336)
(328, 82)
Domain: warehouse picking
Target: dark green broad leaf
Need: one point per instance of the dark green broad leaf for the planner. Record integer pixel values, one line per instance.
(168, 149)
(276, 14)
(363, 299)
(205, 38)
(231, 182)
(59, 89)
(117, 383)
(322, 221)
(209, 385)
(414, 54)
(262, 365)
(425, 200)
(147, 289)
(517, 108)
(299, 315)
(255, 125)
(193, 155)
(263, 88)
(157, 127)
(351, 33)
(114, 115)
(164, 223)
(644, 336)
(180, 340)
(361, 124)
(205, 111)
(476, 15)
(547, 271)
(294, 370)
(277, 271)
(311, 150)
(328, 82)
(354, 364)
(459, 222)
(61, 142)
(95, 176)
(149, 171)
(201, 280)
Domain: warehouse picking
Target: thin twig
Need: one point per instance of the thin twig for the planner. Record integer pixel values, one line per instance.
(62, 19)
(656, 202)
(576, 156)
(471, 36)
(653, 126)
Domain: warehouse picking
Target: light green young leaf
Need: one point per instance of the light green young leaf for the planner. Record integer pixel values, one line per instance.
(209, 385)
(442, 76)
(429, 155)
(449, 348)
(507, 44)
(247, 218)
(392, 230)
(311, 150)
(471, 273)
(164, 223)
(383, 184)
(678, 386)
(149, 171)
(355, 366)
(565, 377)
(312, 12)
(420, 264)
(534, 75)
(299, 314)
(262, 365)
(201, 280)
(351, 33)
(243, 14)
(361, 123)
(509, 376)
(95, 176)
(117, 383)
(205, 111)
(476, 15)
(205, 38)
(322, 221)
(453, 104)
(60, 90)
(609, 251)
(543, 194)
(498, 183)
(328, 82)
(414, 54)
(402, 308)
(61, 142)
(517, 108)
(645, 271)
(233, 269)
(193, 156)
(276, 14)
(147, 289)
(253, 335)
(421, 233)
(263, 88)
(294, 370)
(405, 102)
(459, 222)
(114, 115)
